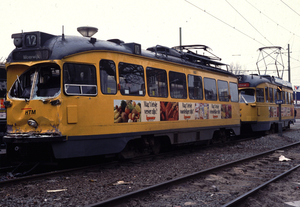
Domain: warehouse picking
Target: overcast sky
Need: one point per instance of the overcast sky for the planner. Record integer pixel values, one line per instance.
(233, 29)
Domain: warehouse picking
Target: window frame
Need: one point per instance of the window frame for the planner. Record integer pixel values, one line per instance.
(80, 86)
(200, 95)
(214, 94)
(163, 75)
(221, 84)
(260, 97)
(173, 89)
(232, 95)
(267, 94)
(124, 90)
(271, 95)
(115, 78)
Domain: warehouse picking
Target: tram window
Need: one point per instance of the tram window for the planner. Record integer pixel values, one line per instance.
(267, 94)
(48, 81)
(275, 95)
(247, 96)
(80, 79)
(39, 81)
(108, 77)
(157, 84)
(234, 93)
(195, 87)
(131, 79)
(271, 98)
(22, 87)
(177, 85)
(210, 89)
(260, 95)
(223, 90)
(283, 96)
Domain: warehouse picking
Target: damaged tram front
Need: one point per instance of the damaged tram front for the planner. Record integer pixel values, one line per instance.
(34, 98)
(33, 104)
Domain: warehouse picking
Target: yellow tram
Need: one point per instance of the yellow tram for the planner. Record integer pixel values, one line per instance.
(259, 96)
(79, 96)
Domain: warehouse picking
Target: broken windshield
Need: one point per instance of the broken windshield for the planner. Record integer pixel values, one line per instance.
(40, 81)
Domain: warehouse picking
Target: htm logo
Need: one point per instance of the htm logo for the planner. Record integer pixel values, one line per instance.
(30, 112)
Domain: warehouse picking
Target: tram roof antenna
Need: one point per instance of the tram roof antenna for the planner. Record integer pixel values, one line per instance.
(180, 39)
(274, 55)
(63, 33)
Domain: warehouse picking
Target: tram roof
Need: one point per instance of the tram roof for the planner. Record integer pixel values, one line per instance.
(52, 47)
(254, 80)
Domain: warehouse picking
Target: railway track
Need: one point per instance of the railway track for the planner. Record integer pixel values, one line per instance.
(231, 182)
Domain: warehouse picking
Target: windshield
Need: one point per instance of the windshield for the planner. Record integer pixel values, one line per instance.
(247, 96)
(37, 82)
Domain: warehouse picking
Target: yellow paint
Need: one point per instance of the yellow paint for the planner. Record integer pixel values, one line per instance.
(72, 114)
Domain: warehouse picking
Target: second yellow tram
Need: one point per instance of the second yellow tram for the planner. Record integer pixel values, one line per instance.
(259, 97)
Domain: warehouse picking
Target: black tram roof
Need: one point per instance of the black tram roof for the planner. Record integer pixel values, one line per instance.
(254, 80)
(33, 46)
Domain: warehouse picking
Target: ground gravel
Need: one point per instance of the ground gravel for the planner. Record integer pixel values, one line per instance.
(94, 185)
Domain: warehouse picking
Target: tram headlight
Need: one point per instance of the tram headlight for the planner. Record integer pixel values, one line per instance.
(32, 123)
(18, 42)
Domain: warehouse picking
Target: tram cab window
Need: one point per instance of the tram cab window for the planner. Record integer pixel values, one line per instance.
(223, 90)
(108, 77)
(157, 84)
(131, 79)
(234, 93)
(177, 85)
(247, 96)
(271, 95)
(80, 79)
(37, 82)
(283, 96)
(195, 87)
(210, 89)
(260, 95)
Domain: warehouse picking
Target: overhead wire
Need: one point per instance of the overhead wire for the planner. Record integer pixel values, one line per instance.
(248, 21)
(290, 7)
(225, 23)
(272, 19)
(293, 34)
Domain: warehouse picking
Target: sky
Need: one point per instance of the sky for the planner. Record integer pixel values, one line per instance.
(233, 29)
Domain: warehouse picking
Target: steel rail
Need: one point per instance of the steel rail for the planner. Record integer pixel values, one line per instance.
(246, 195)
(123, 198)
